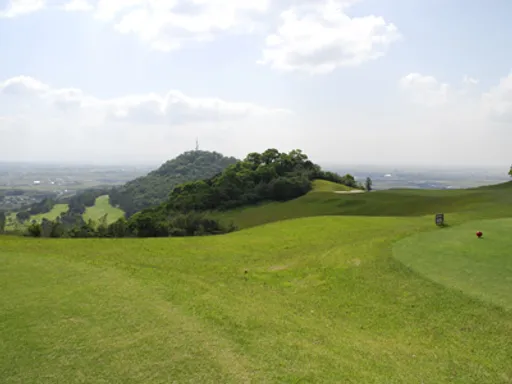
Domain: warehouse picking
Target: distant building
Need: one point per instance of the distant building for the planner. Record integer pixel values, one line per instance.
(36, 182)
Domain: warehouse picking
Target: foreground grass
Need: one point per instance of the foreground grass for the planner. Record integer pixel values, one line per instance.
(323, 301)
(314, 300)
(456, 258)
(102, 207)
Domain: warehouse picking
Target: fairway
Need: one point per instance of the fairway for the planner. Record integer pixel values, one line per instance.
(455, 257)
(102, 207)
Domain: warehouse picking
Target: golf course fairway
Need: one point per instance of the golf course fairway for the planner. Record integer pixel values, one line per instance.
(456, 258)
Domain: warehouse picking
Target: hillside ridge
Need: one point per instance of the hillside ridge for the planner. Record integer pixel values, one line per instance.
(154, 188)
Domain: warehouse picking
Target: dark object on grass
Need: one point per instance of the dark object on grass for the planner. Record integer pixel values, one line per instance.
(479, 234)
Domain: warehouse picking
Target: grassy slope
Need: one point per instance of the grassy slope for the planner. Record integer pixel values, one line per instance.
(327, 186)
(101, 207)
(459, 205)
(323, 301)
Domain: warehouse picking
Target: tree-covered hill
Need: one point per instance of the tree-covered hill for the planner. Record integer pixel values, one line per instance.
(260, 177)
(155, 187)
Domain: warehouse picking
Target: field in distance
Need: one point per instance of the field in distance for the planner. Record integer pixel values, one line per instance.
(101, 207)
(341, 297)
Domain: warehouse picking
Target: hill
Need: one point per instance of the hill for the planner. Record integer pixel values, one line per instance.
(323, 299)
(154, 188)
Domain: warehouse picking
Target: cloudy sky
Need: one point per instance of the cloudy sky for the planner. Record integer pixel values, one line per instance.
(347, 81)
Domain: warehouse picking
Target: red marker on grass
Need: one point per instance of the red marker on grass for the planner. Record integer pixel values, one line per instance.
(479, 234)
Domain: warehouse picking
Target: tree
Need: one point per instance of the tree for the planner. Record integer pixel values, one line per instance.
(3, 219)
(368, 184)
(510, 171)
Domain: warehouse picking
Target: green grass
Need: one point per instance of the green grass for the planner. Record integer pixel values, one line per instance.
(328, 186)
(52, 215)
(455, 257)
(458, 205)
(101, 207)
(325, 299)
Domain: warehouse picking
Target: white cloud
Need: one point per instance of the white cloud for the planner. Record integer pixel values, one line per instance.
(68, 123)
(493, 105)
(172, 108)
(426, 90)
(21, 7)
(318, 37)
(470, 80)
(166, 24)
(497, 102)
(78, 6)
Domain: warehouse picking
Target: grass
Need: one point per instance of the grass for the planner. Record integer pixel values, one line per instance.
(328, 186)
(322, 299)
(458, 205)
(456, 258)
(52, 215)
(102, 207)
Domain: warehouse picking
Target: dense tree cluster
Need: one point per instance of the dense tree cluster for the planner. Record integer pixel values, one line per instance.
(267, 176)
(140, 225)
(154, 188)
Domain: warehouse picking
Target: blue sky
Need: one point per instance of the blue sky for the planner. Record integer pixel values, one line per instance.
(368, 82)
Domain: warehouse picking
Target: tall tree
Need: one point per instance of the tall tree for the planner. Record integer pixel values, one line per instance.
(3, 219)
(368, 184)
(510, 171)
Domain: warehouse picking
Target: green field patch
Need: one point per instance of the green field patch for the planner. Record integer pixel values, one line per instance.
(103, 207)
(57, 210)
(456, 258)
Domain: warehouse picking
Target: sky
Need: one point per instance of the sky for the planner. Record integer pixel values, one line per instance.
(399, 82)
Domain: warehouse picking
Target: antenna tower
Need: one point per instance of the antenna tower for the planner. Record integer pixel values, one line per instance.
(197, 145)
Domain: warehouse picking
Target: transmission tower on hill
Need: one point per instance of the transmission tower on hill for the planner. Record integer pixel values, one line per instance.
(197, 144)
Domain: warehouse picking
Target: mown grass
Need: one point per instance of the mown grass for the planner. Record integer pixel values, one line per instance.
(103, 207)
(312, 300)
(456, 258)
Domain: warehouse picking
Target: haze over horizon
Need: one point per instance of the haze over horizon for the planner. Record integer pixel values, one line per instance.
(347, 81)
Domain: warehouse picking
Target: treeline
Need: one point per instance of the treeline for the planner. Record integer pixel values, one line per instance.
(180, 225)
(153, 189)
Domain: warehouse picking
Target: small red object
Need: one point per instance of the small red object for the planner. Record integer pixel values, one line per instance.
(479, 234)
